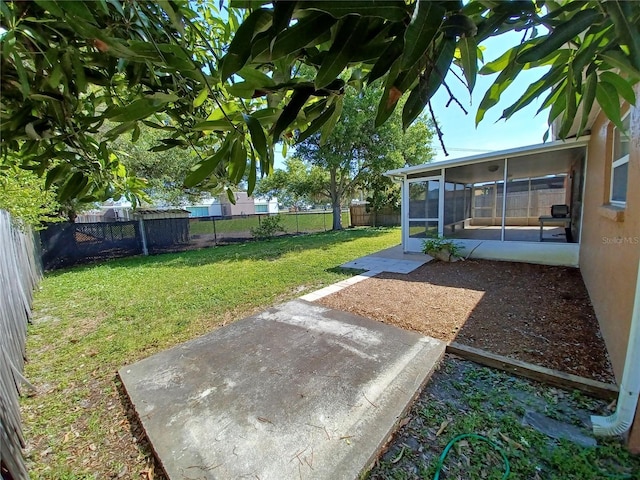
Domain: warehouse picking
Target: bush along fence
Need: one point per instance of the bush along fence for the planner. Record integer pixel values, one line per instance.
(67, 244)
(19, 274)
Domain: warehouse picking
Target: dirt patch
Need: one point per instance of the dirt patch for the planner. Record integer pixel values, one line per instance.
(534, 313)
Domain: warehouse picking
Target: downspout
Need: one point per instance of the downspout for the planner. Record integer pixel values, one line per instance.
(622, 418)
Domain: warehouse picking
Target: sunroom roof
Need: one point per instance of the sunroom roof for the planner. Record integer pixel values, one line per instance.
(525, 162)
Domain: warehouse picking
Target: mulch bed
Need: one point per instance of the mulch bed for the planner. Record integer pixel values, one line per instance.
(535, 313)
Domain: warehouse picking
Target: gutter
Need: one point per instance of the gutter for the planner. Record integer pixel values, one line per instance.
(622, 419)
(396, 177)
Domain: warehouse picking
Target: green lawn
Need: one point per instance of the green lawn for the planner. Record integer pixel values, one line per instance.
(92, 320)
(292, 223)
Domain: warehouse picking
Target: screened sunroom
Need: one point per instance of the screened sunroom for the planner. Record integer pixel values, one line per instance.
(523, 203)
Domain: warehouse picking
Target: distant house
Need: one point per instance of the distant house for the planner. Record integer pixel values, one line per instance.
(209, 207)
(498, 206)
(109, 211)
(244, 205)
(220, 206)
(264, 205)
(160, 213)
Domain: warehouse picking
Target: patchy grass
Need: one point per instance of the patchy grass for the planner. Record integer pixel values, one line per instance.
(463, 397)
(90, 321)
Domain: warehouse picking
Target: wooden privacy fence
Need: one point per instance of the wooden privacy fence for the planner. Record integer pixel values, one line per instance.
(385, 217)
(19, 274)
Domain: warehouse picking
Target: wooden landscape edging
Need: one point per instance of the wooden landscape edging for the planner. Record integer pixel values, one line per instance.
(597, 389)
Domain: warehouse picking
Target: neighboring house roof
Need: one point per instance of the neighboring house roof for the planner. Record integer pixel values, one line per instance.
(534, 160)
(159, 213)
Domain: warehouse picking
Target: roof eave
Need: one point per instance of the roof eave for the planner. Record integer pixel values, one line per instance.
(487, 157)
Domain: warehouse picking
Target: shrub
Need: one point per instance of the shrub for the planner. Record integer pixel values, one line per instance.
(269, 226)
(442, 249)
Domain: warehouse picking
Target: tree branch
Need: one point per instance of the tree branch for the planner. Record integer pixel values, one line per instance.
(453, 98)
(438, 131)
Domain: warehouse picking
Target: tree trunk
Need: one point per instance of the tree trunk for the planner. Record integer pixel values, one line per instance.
(335, 200)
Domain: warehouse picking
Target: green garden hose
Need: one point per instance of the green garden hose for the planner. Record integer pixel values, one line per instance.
(507, 466)
(445, 452)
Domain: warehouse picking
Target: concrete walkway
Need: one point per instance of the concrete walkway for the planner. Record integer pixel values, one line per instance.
(296, 392)
(392, 260)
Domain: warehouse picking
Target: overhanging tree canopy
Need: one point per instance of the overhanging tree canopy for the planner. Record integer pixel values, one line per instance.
(232, 86)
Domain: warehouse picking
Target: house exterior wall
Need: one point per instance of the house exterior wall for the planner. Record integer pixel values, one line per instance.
(610, 246)
(244, 205)
(263, 205)
(215, 209)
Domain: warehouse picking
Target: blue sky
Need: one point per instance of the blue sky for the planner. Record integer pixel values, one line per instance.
(461, 136)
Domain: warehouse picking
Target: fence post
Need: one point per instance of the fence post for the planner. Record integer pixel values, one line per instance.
(297, 227)
(215, 235)
(143, 237)
(324, 220)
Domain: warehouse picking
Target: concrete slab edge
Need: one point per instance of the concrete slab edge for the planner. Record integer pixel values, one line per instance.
(407, 385)
(336, 287)
(136, 417)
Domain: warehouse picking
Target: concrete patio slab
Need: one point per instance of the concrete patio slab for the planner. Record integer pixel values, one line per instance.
(296, 392)
(392, 260)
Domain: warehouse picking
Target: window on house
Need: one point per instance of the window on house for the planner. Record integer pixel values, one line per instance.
(620, 164)
(262, 208)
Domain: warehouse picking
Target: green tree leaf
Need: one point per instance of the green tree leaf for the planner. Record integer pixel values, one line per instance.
(301, 35)
(317, 123)
(571, 106)
(588, 97)
(240, 48)
(256, 78)
(73, 186)
(329, 125)
(428, 85)
(259, 140)
(535, 90)
(290, 112)
(582, 20)
(469, 60)
(222, 125)
(628, 31)
(418, 37)
(618, 60)
(608, 99)
(237, 161)
(386, 59)
(204, 169)
(387, 9)
(200, 99)
(141, 108)
(623, 87)
(390, 96)
(340, 53)
(251, 181)
(504, 79)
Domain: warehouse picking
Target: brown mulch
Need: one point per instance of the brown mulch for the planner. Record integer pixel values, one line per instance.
(534, 313)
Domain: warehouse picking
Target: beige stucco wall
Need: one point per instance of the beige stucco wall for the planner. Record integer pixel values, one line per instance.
(610, 244)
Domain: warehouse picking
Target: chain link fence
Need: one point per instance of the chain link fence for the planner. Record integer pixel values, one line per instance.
(67, 244)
